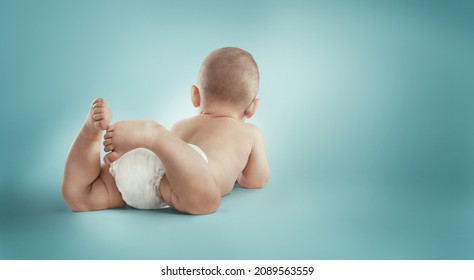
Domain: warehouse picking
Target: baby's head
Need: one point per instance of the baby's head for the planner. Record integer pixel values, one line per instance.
(228, 79)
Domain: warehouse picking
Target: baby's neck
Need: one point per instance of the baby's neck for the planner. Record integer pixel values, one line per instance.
(221, 111)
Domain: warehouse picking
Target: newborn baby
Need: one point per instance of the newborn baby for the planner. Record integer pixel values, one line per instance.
(189, 167)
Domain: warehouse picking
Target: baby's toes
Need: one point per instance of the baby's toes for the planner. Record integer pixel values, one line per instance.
(108, 148)
(101, 124)
(109, 133)
(97, 105)
(111, 157)
(98, 116)
(97, 101)
(107, 142)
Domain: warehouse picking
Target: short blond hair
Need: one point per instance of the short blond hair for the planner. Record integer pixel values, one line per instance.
(229, 75)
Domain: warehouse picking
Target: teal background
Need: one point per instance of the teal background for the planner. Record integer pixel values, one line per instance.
(367, 111)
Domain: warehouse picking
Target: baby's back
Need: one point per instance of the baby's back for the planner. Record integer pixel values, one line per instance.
(227, 143)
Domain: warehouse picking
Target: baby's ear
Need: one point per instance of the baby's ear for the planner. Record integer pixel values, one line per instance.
(252, 108)
(195, 96)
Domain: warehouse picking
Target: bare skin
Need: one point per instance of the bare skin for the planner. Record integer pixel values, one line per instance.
(235, 151)
(87, 185)
(229, 79)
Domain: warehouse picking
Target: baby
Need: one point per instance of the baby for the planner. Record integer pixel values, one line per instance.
(189, 167)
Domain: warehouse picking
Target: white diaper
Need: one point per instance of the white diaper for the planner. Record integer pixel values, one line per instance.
(138, 175)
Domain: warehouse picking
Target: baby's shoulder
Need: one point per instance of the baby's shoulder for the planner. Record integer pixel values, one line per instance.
(252, 130)
(179, 125)
(250, 127)
(239, 127)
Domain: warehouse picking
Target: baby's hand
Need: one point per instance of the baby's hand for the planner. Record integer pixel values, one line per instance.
(126, 136)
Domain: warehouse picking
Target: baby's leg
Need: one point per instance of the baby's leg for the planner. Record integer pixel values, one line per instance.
(188, 185)
(86, 185)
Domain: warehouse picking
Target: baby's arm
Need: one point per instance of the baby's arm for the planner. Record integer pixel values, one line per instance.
(256, 173)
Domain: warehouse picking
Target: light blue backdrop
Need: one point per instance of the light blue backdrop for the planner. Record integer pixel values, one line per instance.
(367, 114)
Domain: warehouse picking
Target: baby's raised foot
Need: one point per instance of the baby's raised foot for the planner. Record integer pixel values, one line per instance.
(99, 115)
